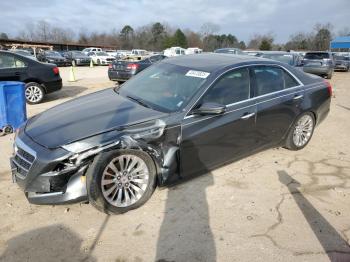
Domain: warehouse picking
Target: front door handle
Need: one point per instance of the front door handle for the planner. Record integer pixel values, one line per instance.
(246, 116)
(297, 97)
(17, 73)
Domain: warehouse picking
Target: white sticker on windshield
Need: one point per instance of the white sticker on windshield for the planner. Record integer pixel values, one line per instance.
(199, 74)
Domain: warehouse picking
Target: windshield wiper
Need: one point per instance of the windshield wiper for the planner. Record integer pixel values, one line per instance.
(139, 101)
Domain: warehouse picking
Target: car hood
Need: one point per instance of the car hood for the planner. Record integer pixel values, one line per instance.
(81, 57)
(86, 116)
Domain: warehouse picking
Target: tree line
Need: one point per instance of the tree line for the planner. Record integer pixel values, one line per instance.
(158, 36)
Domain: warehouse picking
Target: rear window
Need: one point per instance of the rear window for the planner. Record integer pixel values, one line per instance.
(271, 79)
(339, 57)
(316, 56)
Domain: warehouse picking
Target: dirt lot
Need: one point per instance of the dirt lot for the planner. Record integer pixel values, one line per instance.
(277, 205)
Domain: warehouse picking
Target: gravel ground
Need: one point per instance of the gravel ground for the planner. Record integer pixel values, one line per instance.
(277, 205)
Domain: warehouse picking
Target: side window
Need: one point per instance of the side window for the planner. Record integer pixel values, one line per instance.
(7, 61)
(20, 63)
(232, 87)
(289, 81)
(268, 79)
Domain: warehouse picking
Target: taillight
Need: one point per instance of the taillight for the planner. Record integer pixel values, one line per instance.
(56, 71)
(110, 66)
(132, 66)
(329, 87)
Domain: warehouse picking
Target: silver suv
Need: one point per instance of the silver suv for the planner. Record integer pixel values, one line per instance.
(319, 63)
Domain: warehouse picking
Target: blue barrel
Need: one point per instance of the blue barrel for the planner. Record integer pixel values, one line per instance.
(13, 111)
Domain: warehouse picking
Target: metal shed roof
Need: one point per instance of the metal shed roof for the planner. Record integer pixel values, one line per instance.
(341, 42)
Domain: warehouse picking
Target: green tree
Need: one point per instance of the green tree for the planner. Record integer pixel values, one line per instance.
(242, 45)
(126, 36)
(4, 36)
(158, 36)
(265, 44)
(179, 39)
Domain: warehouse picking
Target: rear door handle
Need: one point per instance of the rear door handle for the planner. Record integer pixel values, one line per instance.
(297, 97)
(17, 73)
(246, 116)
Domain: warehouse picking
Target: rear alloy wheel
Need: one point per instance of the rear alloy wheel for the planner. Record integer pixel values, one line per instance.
(34, 93)
(119, 181)
(301, 133)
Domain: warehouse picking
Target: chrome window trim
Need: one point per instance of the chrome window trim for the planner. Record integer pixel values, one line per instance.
(191, 116)
(249, 99)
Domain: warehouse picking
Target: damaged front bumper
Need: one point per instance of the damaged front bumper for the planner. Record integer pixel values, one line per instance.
(57, 175)
(42, 176)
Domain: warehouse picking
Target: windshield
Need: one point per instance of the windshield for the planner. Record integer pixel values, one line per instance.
(164, 87)
(52, 53)
(102, 54)
(284, 58)
(316, 56)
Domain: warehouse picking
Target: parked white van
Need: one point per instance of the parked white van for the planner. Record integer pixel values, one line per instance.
(174, 51)
(193, 50)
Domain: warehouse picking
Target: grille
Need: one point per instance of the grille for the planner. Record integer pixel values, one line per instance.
(23, 161)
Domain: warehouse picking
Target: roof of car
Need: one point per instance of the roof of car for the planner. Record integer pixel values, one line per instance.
(318, 52)
(276, 52)
(211, 61)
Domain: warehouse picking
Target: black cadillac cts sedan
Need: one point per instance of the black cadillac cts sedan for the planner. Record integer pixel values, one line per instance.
(176, 119)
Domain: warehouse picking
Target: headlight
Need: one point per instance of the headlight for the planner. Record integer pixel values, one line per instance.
(147, 131)
(78, 147)
(15, 148)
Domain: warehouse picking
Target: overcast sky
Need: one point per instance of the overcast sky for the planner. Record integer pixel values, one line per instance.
(242, 18)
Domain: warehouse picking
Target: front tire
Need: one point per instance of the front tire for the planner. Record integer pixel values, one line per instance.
(301, 132)
(34, 93)
(120, 180)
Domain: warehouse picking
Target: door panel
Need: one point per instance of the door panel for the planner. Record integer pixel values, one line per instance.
(208, 141)
(275, 114)
(279, 97)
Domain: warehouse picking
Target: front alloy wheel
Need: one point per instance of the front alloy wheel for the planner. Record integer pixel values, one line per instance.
(120, 180)
(34, 93)
(124, 180)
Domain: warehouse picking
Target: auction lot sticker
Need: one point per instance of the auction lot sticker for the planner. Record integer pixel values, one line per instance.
(199, 74)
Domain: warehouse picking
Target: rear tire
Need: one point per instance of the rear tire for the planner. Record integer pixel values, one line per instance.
(120, 180)
(301, 132)
(34, 93)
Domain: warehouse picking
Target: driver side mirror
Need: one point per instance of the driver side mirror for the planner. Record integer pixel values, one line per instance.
(210, 109)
